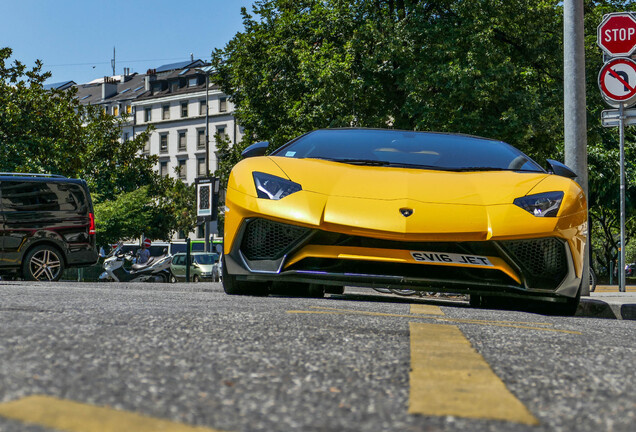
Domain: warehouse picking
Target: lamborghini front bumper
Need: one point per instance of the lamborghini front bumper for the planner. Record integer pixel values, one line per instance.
(268, 250)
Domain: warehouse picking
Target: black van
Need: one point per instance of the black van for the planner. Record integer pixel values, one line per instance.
(47, 225)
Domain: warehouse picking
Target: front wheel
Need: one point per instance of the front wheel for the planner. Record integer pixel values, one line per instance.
(232, 286)
(195, 279)
(43, 263)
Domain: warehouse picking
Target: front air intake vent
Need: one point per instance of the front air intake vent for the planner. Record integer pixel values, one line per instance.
(543, 261)
(268, 240)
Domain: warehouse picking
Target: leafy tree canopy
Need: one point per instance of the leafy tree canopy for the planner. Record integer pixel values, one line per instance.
(490, 68)
(49, 131)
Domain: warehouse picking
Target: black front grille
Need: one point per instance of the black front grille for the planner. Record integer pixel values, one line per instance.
(472, 248)
(543, 261)
(268, 240)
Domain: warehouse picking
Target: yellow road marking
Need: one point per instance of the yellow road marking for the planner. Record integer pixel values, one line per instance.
(418, 308)
(512, 324)
(70, 416)
(613, 288)
(353, 311)
(448, 377)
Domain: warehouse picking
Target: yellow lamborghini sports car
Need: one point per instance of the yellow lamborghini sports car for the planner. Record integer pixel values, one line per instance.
(404, 210)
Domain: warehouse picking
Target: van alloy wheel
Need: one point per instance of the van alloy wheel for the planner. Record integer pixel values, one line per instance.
(43, 263)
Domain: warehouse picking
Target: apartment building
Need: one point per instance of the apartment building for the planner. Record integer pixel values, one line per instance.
(173, 99)
(176, 99)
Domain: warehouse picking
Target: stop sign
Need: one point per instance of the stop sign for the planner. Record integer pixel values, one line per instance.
(616, 34)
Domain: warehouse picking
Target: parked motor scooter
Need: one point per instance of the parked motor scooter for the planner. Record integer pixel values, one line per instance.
(156, 269)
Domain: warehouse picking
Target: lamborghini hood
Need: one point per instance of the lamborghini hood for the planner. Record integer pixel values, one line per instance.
(386, 183)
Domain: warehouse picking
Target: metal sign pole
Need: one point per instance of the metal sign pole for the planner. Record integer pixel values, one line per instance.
(621, 132)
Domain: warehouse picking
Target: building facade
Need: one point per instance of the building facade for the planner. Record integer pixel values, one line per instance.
(178, 101)
(185, 109)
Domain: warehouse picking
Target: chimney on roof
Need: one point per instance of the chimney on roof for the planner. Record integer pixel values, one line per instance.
(150, 77)
(109, 87)
(126, 76)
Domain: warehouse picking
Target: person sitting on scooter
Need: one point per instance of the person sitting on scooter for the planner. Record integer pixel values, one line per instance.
(143, 255)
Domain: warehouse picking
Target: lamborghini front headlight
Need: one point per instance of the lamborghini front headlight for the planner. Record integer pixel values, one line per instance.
(541, 205)
(272, 187)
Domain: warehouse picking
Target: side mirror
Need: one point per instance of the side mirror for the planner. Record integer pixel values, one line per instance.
(257, 149)
(561, 169)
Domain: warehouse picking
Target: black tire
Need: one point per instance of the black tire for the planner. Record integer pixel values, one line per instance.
(161, 277)
(315, 290)
(196, 279)
(43, 263)
(173, 279)
(332, 289)
(564, 309)
(232, 286)
(478, 301)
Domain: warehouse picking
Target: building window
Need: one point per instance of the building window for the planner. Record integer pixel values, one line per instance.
(201, 167)
(128, 109)
(201, 231)
(163, 168)
(116, 110)
(184, 109)
(202, 106)
(220, 130)
(182, 141)
(181, 235)
(192, 82)
(200, 139)
(222, 104)
(165, 112)
(147, 146)
(126, 136)
(163, 143)
(181, 169)
(148, 114)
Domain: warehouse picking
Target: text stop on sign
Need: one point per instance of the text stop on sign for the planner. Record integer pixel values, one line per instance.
(619, 35)
(616, 34)
(617, 81)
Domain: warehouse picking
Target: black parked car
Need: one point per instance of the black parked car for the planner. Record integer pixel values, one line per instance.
(47, 225)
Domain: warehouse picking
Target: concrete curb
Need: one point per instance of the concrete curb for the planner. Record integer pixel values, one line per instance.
(617, 305)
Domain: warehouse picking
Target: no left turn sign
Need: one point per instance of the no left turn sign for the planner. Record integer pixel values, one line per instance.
(617, 82)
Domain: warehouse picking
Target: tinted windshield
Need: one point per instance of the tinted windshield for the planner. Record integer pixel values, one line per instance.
(409, 149)
(205, 258)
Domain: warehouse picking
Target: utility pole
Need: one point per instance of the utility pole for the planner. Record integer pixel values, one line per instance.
(575, 125)
(207, 151)
(112, 62)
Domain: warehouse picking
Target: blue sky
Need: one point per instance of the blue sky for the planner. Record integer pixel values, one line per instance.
(75, 38)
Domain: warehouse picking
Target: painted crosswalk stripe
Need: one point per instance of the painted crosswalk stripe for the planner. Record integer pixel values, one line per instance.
(418, 308)
(69, 416)
(448, 377)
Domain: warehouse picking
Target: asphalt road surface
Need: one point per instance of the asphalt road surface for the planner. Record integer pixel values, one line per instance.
(185, 357)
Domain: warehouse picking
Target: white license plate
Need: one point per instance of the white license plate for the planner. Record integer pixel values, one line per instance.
(445, 258)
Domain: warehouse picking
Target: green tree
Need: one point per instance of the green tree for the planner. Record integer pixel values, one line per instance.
(49, 131)
(603, 152)
(487, 67)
